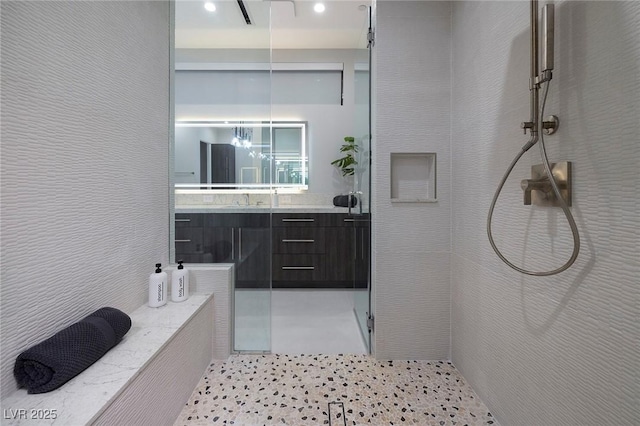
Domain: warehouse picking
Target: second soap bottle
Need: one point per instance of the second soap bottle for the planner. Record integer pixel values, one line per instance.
(179, 283)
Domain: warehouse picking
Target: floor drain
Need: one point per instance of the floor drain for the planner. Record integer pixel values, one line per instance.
(338, 414)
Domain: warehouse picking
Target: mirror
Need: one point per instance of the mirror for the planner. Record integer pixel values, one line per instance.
(241, 155)
(291, 64)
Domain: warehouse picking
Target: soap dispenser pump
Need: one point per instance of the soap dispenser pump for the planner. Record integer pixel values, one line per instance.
(179, 283)
(157, 288)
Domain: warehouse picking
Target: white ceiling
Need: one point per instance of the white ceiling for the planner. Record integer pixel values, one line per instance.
(343, 25)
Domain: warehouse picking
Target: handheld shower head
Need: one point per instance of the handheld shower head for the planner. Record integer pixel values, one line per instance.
(548, 12)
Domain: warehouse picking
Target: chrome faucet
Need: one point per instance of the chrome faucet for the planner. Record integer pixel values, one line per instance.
(246, 199)
(356, 195)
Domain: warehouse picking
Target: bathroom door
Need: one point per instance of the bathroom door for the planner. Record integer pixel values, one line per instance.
(360, 214)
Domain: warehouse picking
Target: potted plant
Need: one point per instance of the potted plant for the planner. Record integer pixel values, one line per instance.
(346, 163)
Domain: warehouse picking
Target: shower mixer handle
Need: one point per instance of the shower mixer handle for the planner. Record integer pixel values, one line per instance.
(539, 182)
(528, 185)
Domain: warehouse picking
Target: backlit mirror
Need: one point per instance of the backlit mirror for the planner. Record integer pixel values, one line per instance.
(241, 155)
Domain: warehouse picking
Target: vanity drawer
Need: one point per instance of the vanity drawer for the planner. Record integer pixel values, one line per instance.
(344, 219)
(298, 267)
(298, 240)
(188, 240)
(189, 220)
(297, 220)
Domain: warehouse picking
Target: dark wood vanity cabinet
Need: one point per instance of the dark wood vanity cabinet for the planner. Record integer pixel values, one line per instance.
(319, 250)
(253, 254)
(243, 239)
(189, 238)
(294, 250)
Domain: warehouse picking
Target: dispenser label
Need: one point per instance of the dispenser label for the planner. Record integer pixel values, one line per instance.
(160, 294)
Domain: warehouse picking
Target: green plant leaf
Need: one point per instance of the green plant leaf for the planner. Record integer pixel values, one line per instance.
(348, 160)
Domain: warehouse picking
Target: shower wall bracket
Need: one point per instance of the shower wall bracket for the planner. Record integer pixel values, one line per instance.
(549, 125)
(538, 191)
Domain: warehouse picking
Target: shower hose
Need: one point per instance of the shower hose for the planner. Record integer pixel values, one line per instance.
(556, 190)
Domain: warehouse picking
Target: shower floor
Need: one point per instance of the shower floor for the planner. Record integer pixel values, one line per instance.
(251, 390)
(298, 321)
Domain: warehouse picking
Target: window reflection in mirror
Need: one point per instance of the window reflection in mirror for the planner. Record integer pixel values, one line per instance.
(241, 155)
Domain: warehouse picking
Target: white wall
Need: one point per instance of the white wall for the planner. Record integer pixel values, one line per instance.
(562, 349)
(85, 129)
(412, 242)
(327, 124)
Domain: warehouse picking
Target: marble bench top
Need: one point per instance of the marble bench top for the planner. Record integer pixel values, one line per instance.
(260, 209)
(82, 399)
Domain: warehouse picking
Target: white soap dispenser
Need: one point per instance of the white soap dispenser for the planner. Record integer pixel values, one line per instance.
(179, 283)
(157, 287)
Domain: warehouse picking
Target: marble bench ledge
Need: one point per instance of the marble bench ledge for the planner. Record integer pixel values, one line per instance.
(85, 397)
(260, 209)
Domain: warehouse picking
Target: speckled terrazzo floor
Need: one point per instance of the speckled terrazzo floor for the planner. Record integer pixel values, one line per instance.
(252, 390)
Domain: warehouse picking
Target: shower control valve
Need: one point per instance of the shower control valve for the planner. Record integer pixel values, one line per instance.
(550, 124)
(538, 190)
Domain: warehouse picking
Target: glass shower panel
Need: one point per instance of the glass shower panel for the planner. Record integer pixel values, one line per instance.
(222, 195)
(252, 292)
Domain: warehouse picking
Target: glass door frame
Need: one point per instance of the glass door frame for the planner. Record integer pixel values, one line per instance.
(361, 216)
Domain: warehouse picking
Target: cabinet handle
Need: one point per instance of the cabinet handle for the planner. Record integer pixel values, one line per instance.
(349, 220)
(183, 241)
(298, 241)
(183, 220)
(233, 243)
(298, 268)
(240, 244)
(298, 220)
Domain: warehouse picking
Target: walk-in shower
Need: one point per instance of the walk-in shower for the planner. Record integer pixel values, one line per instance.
(555, 189)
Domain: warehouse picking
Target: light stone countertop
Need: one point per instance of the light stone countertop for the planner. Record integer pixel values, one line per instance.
(261, 209)
(82, 399)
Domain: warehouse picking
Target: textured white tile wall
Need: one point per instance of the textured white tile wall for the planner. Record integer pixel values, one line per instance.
(85, 122)
(216, 278)
(412, 242)
(562, 349)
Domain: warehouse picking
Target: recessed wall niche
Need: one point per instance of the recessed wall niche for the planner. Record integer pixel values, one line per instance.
(413, 177)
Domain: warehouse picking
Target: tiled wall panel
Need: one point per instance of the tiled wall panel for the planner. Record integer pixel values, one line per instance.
(85, 121)
(561, 349)
(413, 309)
(412, 241)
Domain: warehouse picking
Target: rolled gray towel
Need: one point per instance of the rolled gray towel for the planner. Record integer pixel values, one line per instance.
(53, 362)
(343, 201)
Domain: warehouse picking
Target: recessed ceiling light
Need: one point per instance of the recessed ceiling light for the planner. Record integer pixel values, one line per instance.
(210, 6)
(318, 7)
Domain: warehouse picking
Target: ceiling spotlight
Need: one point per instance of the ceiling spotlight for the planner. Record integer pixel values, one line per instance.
(210, 6)
(318, 7)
